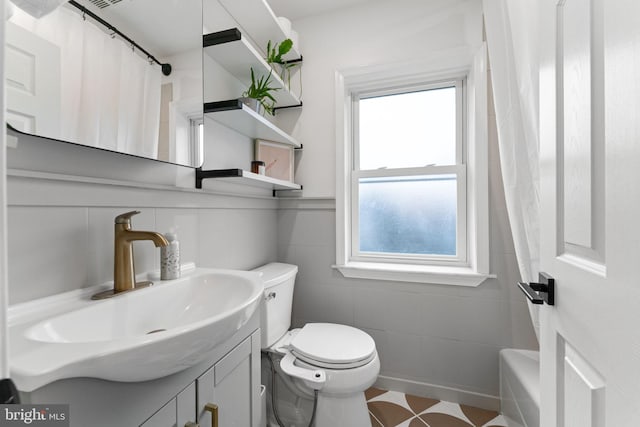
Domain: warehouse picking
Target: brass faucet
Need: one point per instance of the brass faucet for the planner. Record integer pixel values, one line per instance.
(124, 276)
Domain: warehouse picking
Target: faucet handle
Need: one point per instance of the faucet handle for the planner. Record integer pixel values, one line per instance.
(125, 218)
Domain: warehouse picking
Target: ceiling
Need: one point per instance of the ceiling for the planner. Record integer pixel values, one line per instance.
(298, 9)
(155, 25)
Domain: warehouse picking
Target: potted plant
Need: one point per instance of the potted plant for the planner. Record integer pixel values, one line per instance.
(275, 54)
(259, 93)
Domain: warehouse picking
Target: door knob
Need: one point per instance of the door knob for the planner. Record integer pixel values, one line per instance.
(541, 292)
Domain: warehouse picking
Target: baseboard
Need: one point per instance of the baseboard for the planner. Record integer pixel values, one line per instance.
(449, 394)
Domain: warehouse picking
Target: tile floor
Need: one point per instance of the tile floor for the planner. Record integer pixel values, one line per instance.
(395, 409)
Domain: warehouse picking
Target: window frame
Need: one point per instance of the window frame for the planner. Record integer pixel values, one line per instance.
(459, 170)
(472, 268)
(196, 139)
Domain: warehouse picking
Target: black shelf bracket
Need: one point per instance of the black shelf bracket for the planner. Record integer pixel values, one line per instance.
(291, 61)
(235, 104)
(221, 37)
(275, 192)
(287, 106)
(539, 293)
(218, 106)
(216, 173)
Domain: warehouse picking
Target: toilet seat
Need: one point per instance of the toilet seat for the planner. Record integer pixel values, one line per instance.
(333, 346)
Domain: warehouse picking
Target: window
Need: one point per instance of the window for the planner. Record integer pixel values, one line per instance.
(411, 199)
(408, 178)
(196, 140)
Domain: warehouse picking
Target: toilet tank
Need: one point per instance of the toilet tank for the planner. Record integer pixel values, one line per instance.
(278, 281)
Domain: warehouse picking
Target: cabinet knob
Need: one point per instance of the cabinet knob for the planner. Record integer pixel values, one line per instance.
(210, 407)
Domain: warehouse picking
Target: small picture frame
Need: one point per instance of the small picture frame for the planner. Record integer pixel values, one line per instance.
(278, 159)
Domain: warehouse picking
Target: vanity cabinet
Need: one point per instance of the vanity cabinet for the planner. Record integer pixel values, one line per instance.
(178, 412)
(228, 378)
(232, 384)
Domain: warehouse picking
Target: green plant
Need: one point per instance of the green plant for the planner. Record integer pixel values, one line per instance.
(261, 91)
(275, 54)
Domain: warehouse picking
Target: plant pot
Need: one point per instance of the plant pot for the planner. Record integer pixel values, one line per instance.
(252, 103)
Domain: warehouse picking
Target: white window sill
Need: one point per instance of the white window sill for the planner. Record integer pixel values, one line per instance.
(442, 275)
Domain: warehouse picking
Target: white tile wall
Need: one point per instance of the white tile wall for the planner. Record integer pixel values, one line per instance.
(57, 235)
(54, 249)
(441, 335)
(436, 334)
(184, 222)
(234, 238)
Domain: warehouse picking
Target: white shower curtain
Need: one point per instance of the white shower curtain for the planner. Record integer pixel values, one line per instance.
(110, 95)
(513, 56)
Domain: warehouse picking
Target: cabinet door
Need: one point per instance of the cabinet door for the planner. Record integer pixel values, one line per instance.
(178, 412)
(165, 417)
(233, 384)
(186, 405)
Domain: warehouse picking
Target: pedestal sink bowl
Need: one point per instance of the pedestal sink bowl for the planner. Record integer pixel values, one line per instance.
(142, 335)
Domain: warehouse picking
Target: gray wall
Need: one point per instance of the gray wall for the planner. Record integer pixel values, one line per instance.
(427, 335)
(447, 336)
(61, 224)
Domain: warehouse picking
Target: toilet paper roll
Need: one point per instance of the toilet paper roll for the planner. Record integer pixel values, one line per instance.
(295, 39)
(285, 24)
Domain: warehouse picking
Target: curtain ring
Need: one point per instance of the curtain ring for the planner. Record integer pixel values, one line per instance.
(150, 60)
(113, 34)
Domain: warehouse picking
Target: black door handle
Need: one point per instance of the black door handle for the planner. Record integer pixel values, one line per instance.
(539, 293)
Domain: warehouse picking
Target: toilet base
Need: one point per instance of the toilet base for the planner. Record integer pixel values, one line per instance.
(331, 412)
(342, 411)
(338, 404)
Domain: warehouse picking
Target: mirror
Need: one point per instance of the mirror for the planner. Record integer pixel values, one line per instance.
(75, 75)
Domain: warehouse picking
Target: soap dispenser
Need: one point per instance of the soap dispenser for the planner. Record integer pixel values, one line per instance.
(170, 258)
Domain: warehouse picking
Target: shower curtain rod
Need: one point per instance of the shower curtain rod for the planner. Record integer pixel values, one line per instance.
(166, 68)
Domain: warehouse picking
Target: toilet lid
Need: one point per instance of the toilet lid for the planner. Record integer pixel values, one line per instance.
(333, 346)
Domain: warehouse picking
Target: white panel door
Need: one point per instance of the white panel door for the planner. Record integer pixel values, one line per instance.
(32, 82)
(590, 212)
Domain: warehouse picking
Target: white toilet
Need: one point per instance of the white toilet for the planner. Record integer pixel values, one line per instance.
(338, 361)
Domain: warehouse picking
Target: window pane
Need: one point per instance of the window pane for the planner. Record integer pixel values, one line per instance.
(408, 215)
(408, 130)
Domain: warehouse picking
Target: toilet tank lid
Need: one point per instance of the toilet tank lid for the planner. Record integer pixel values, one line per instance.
(276, 272)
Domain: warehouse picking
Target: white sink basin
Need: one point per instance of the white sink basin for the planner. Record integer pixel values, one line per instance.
(142, 335)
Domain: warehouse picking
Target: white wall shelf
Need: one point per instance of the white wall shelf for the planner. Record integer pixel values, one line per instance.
(239, 117)
(235, 54)
(238, 52)
(260, 23)
(247, 178)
